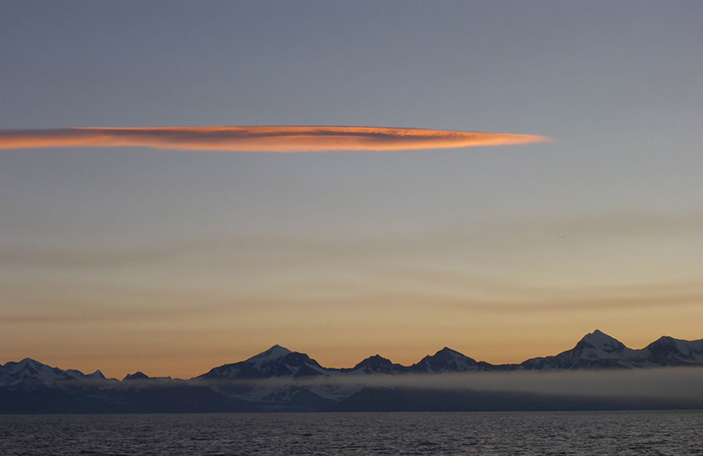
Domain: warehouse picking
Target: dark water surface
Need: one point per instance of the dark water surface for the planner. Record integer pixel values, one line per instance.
(519, 433)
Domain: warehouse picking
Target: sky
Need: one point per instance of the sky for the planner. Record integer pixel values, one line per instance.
(171, 262)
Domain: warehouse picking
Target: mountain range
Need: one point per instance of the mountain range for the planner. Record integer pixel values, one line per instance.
(279, 379)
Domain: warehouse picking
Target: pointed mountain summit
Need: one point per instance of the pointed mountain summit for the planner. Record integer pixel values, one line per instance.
(33, 372)
(139, 375)
(377, 364)
(97, 375)
(595, 350)
(275, 362)
(667, 351)
(447, 360)
(600, 341)
(271, 354)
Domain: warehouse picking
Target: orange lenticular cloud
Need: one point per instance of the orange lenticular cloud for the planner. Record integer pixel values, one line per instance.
(260, 139)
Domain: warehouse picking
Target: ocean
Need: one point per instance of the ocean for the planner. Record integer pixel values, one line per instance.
(675, 433)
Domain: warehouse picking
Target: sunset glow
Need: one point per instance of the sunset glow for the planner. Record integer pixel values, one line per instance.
(185, 184)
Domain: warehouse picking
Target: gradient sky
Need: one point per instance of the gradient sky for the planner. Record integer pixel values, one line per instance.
(128, 259)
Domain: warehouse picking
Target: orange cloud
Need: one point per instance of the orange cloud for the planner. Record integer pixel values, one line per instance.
(260, 139)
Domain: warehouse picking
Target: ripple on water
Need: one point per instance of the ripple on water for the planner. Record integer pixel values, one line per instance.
(522, 433)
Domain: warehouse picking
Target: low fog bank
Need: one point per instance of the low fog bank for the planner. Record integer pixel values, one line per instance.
(685, 383)
(641, 389)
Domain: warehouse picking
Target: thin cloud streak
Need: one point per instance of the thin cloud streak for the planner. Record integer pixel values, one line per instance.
(260, 138)
(477, 237)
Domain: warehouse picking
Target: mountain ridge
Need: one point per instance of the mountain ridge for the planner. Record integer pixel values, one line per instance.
(279, 379)
(595, 350)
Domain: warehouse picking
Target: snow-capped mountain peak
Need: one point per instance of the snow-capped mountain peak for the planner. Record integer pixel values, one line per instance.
(26, 365)
(272, 354)
(601, 342)
(277, 361)
(445, 360)
(667, 351)
(595, 350)
(377, 364)
(31, 371)
(446, 351)
(139, 375)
